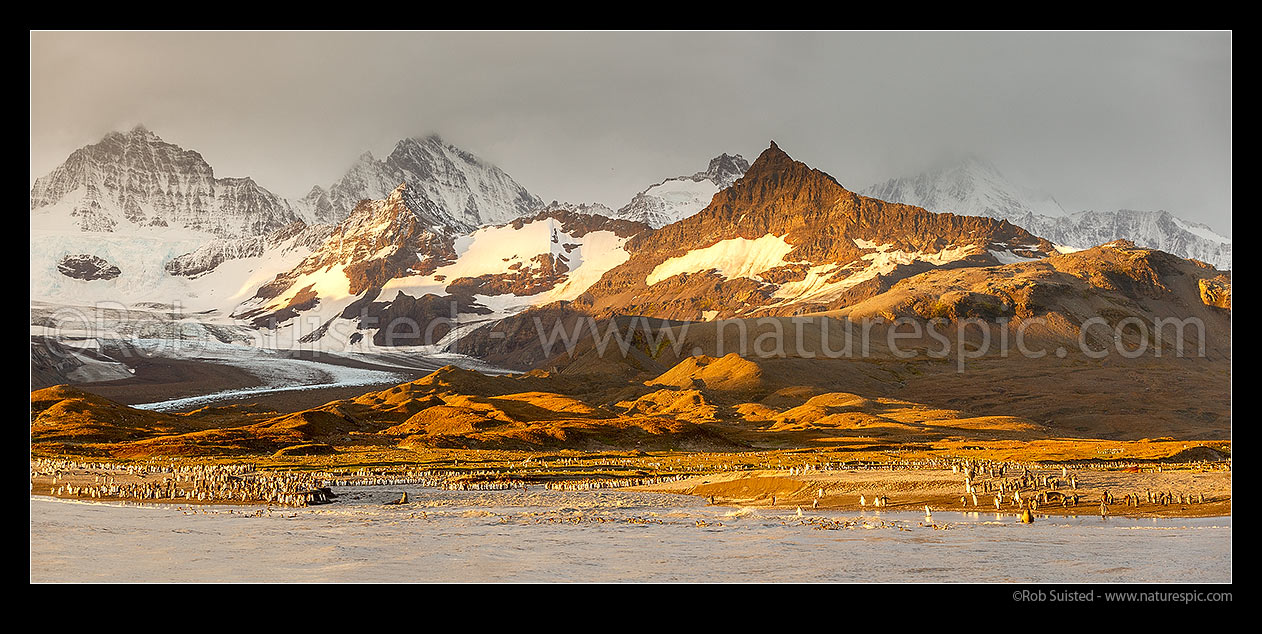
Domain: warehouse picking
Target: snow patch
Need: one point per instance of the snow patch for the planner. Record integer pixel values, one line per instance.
(819, 285)
(1008, 257)
(736, 257)
(1200, 230)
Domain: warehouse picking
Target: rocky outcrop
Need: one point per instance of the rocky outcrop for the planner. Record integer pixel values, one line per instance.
(87, 267)
(55, 362)
(579, 223)
(724, 169)
(413, 321)
(1216, 291)
(541, 273)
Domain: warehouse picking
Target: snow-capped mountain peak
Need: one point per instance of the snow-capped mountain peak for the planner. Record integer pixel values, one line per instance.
(972, 187)
(724, 169)
(465, 188)
(975, 187)
(135, 181)
(677, 198)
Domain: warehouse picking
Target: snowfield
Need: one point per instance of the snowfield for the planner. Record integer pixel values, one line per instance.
(1008, 257)
(742, 257)
(493, 250)
(737, 257)
(142, 257)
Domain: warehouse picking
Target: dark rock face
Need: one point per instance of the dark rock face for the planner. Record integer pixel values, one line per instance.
(52, 363)
(414, 321)
(724, 169)
(87, 268)
(542, 273)
(578, 224)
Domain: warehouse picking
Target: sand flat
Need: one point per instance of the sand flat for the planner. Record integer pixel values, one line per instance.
(941, 490)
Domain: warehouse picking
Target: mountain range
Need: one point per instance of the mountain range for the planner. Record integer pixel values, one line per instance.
(432, 231)
(975, 187)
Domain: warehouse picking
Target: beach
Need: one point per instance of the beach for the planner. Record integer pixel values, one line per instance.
(941, 490)
(1200, 489)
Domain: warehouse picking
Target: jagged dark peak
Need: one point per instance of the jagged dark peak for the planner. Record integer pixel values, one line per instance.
(773, 158)
(728, 163)
(407, 143)
(725, 168)
(239, 180)
(139, 131)
(776, 164)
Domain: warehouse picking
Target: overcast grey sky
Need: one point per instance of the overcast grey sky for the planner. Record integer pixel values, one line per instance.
(1099, 120)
